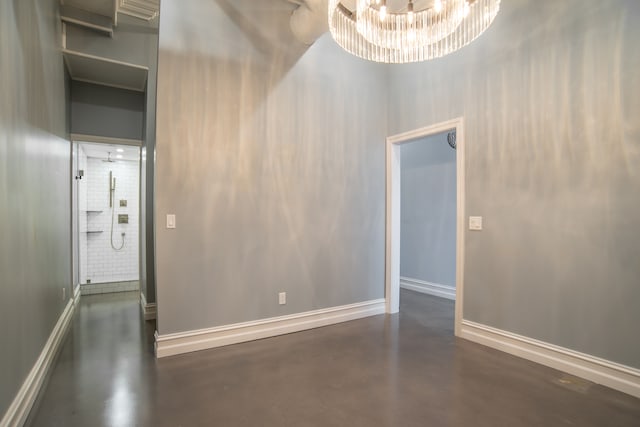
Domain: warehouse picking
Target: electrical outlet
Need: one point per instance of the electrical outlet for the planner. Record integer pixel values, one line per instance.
(282, 298)
(64, 294)
(475, 223)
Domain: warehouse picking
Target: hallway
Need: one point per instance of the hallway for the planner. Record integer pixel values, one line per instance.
(403, 370)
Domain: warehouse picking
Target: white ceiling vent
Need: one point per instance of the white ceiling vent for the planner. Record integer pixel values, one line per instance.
(142, 9)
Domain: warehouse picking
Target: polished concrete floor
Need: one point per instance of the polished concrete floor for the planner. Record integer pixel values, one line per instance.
(401, 370)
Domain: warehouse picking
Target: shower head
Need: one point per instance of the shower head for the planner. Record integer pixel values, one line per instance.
(108, 160)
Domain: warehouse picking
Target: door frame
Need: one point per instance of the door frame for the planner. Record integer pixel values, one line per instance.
(76, 139)
(392, 245)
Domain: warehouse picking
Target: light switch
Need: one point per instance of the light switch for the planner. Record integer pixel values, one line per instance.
(475, 223)
(171, 221)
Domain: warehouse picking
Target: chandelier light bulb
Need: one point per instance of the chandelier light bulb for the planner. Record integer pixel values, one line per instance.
(383, 12)
(437, 6)
(466, 10)
(410, 12)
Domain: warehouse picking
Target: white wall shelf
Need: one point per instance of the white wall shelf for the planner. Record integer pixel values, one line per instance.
(104, 71)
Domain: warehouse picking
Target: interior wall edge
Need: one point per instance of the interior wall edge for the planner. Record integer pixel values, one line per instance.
(24, 400)
(189, 341)
(429, 288)
(600, 371)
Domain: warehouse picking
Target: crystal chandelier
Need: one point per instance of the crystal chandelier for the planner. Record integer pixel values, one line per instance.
(371, 31)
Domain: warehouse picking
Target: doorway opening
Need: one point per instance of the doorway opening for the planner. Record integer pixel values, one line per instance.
(106, 190)
(441, 277)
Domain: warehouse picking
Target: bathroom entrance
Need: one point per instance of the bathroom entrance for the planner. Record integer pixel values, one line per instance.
(106, 217)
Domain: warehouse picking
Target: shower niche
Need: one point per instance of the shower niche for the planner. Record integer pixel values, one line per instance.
(107, 210)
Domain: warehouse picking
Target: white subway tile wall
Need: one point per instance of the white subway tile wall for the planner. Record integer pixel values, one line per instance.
(103, 263)
(108, 288)
(82, 217)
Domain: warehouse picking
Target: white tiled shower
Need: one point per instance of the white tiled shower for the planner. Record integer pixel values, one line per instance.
(102, 268)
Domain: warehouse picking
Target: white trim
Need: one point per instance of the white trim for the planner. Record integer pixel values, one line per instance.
(76, 295)
(110, 287)
(99, 83)
(422, 286)
(19, 409)
(81, 23)
(392, 279)
(184, 342)
(614, 375)
(103, 59)
(149, 310)
(80, 137)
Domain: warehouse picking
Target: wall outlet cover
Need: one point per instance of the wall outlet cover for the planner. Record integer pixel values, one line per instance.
(475, 223)
(282, 298)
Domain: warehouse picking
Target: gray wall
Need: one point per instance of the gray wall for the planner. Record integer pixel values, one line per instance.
(106, 111)
(549, 95)
(272, 159)
(428, 210)
(147, 180)
(35, 248)
(134, 41)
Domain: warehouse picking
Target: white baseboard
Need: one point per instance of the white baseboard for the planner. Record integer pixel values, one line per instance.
(109, 287)
(614, 375)
(18, 411)
(149, 310)
(76, 295)
(184, 342)
(435, 289)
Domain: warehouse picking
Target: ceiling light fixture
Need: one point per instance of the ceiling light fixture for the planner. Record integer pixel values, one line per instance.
(373, 31)
(119, 150)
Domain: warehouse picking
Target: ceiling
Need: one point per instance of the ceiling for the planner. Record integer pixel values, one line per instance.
(101, 151)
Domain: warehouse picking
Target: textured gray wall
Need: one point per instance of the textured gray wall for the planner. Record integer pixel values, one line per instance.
(550, 99)
(106, 111)
(35, 248)
(272, 158)
(428, 210)
(134, 41)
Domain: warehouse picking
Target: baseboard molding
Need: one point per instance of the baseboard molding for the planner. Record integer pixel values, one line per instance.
(18, 411)
(616, 376)
(424, 287)
(76, 295)
(185, 342)
(149, 310)
(109, 287)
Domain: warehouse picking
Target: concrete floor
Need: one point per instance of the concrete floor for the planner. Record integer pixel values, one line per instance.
(401, 370)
